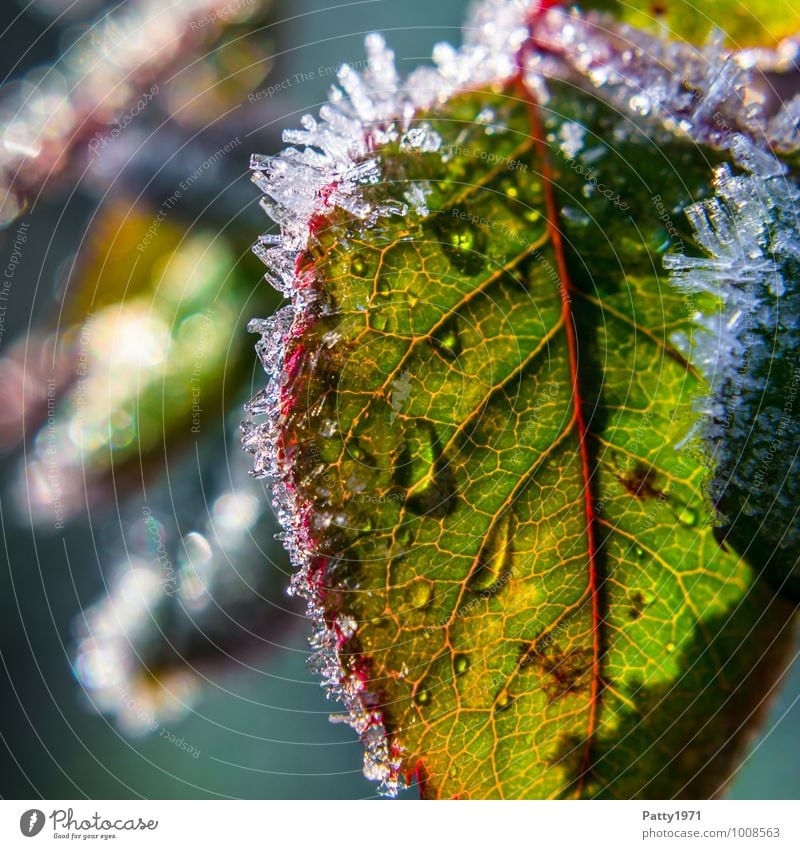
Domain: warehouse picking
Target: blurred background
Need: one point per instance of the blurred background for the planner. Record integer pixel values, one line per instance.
(149, 648)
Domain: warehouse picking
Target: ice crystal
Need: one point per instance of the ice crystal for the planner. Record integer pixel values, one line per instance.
(784, 128)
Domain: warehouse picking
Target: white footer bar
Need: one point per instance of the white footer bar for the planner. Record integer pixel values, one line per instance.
(394, 825)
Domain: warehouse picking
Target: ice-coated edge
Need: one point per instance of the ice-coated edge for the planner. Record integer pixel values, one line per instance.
(328, 162)
(749, 232)
(707, 93)
(331, 158)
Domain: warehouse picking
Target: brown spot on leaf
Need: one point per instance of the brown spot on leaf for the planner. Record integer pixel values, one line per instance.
(563, 673)
(640, 482)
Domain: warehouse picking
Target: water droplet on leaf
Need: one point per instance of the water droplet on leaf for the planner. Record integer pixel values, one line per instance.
(422, 696)
(446, 340)
(688, 517)
(461, 240)
(460, 663)
(434, 492)
(496, 557)
(421, 592)
(359, 265)
(503, 701)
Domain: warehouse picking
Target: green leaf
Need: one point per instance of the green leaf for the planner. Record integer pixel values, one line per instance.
(481, 427)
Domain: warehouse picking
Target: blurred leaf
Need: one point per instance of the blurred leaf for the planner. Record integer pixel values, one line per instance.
(221, 79)
(153, 332)
(183, 604)
(106, 76)
(756, 23)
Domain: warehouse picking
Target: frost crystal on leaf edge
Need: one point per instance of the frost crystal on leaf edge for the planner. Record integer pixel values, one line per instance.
(749, 232)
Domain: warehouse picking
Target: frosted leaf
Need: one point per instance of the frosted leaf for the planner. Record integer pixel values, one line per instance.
(327, 166)
(332, 158)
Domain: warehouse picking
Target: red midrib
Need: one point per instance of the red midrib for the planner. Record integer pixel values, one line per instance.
(580, 421)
